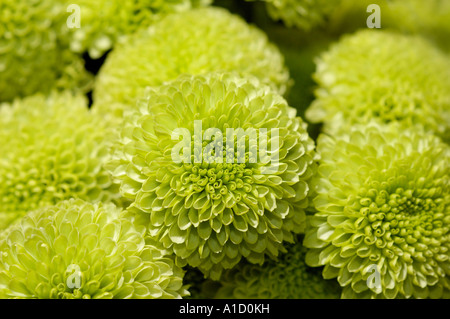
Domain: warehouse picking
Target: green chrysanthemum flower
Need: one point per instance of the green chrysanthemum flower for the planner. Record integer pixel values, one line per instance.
(212, 214)
(103, 22)
(286, 278)
(51, 149)
(195, 42)
(81, 250)
(382, 225)
(384, 75)
(303, 14)
(34, 57)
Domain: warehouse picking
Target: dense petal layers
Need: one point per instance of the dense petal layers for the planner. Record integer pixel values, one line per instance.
(52, 148)
(80, 250)
(194, 42)
(384, 75)
(212, 214)
(382, 225)
(34, 53)
(286, 278)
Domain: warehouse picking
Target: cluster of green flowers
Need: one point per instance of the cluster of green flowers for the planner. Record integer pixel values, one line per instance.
(96, 200)
(381, 223)
(41, 42)
(33, 51)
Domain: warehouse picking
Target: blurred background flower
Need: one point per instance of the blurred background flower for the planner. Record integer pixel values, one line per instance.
(34, 55)
(105, 21)
(52, 148)
(383, 75)
(195, 42)
(286, 278)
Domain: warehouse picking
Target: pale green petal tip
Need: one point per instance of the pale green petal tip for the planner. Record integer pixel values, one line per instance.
(52, 149)
(287, 278)
(194, 42)
(80, 250)
(382, 221)
(212, 215)
(383, 75)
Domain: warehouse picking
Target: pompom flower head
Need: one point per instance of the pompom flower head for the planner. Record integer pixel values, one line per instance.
(34, 56)
(213, 207)
(382, 225)
(194, 42)
(51, 149)
(77, 250)
(98, 33)
(383, 75)
(286, 278)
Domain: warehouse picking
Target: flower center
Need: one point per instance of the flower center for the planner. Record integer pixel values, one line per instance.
(411, 219)
(204, 173)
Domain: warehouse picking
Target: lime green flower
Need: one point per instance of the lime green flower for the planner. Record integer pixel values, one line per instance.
(103, 22)
(286, 278)
(213, 209)
(34, 57)
(382, 225)
(77, 250)
(303, 14)
(195, 42)
(52, 149)
(384, 75)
